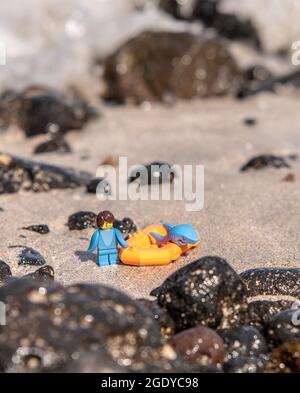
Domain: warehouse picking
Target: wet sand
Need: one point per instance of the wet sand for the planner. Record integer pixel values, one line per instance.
(251, 219)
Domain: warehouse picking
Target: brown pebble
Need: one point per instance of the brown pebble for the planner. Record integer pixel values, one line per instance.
(290, 178)
(112, 161)
(199, 345)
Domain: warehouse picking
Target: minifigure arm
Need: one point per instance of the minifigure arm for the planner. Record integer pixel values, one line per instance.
(94, 242)
(120, 239)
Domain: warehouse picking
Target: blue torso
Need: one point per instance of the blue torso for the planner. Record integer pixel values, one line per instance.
(107, 239)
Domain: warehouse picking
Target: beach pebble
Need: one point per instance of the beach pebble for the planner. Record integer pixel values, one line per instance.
(244, 341)
(54, 145)
(5, 272)
(286, 358)
(114, 330)
(41, 229)
(189, 66)
(157, 172)
(206, 292)
(245, 365)
(272, 281)
(259, 313)
(99, 185)
(29, 256)
(199, 345)
(165, 322)
(125, 226)
(82, 220)
(284, 327)
(45, 273)
(21, 174)
(264, 161)
(290, 178)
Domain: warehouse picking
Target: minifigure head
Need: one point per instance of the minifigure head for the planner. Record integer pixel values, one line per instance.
(105, 220)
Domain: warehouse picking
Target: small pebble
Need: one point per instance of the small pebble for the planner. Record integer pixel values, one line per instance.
(94, 186)
(291, 178)
(5, 272)
(199, 346)
(57, 145)
(156, 172)
(41, 229)
(264, 161)
(250, 122)
(284, 327)
(29, 256)
(82, 220)
(125, 226)
(244, 341)
(245, 365)
(286, 358)
(45, 273)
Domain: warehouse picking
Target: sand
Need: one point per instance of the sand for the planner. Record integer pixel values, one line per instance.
(251, 219)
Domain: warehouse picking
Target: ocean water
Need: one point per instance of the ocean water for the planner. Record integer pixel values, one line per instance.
(54, 42)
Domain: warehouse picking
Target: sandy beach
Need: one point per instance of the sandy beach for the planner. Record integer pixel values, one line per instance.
(251, 219)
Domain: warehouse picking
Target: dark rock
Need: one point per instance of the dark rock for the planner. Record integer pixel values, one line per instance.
(40, 107)
(45, 273)
(5, 272)
(272, 281)
(55, 328)
(82, 220)
(206, 292)
(199, 346)
(208, 12)
(270, 85)
(290, 178)
(156, 66)
(125, 226)
(1, 209)
(245, 365)
(264, 161)
(41, 229)
(244, 341)
(260, 312)
(164, 321)
(20, 174)
(57, 144)
(156, 172)
(8, 108)
(29, 256)
(286, 358)
(250, 122)
(99, 185)
(284, 327)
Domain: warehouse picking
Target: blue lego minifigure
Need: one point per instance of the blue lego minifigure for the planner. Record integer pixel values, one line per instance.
(106, 240)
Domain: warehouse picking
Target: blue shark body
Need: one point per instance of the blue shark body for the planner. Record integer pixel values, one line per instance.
(181, 235)
(106, 242)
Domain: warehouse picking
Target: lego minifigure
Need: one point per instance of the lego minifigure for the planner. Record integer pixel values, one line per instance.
(106, 240)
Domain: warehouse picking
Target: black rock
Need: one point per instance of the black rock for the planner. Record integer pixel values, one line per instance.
(208, 12)
(21, 174)
(45, 273)
(284, 327)
(41, 229)
(264, 161)
(5, 272)
(125, 226)
(41, 107)
(260, 312)
(55, 329)
(58, 145)
(162, 66)
(244, 341)
(165, 322)
(99, 185)
(245, 365)
(82, 220)
(272, 281)
(206, 292)
(156, 172)
(29, 256)
(250, 122)
(1, 209)
(286, 358)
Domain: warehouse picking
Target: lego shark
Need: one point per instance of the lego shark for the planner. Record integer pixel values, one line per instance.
(182, 235)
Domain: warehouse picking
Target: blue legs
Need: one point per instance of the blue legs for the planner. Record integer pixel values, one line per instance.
(108, 259)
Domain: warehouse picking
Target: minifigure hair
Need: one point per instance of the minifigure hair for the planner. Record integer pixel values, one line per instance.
(103, 217)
